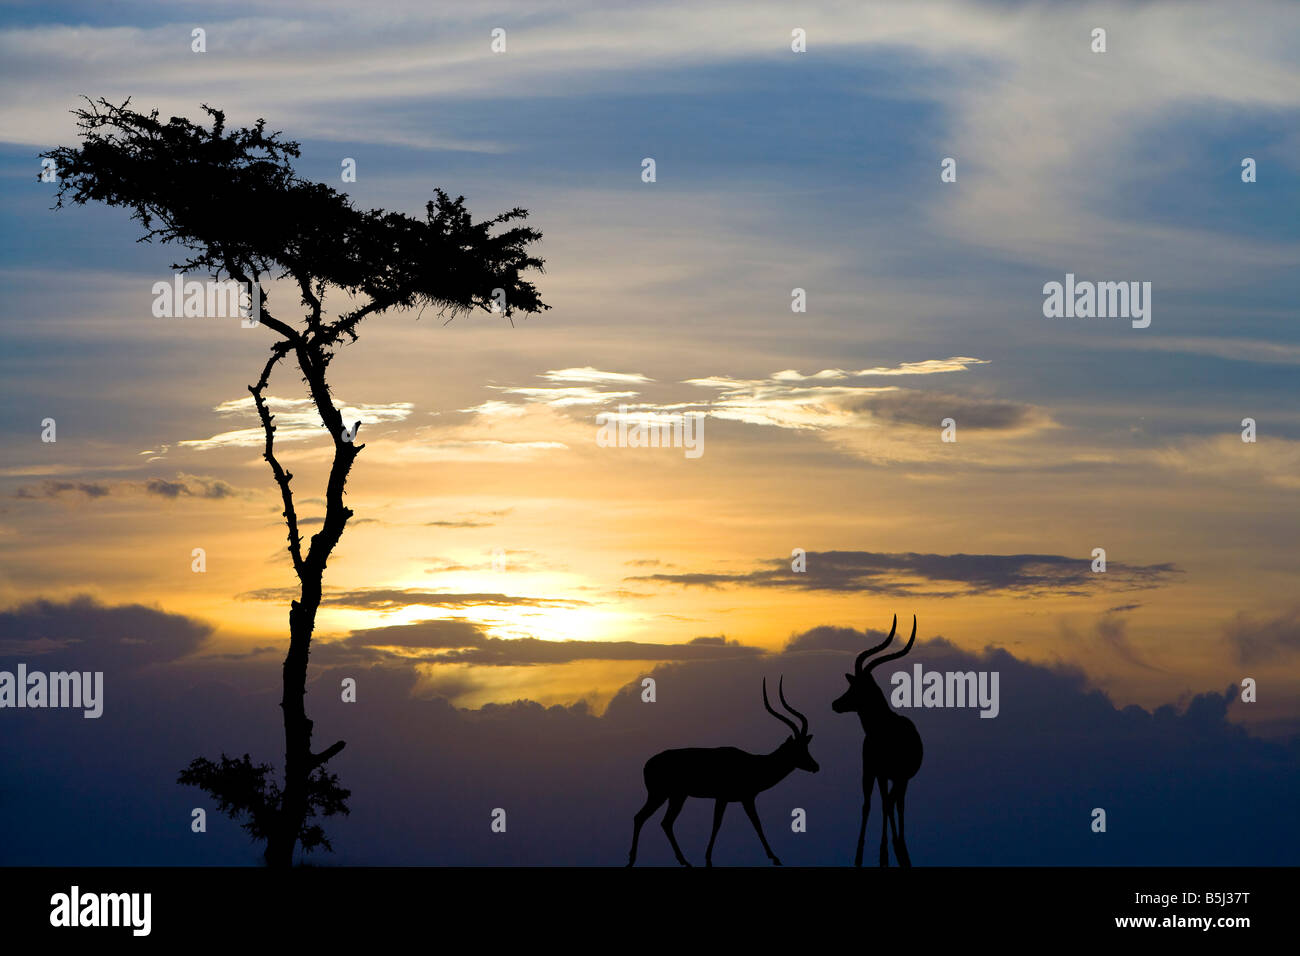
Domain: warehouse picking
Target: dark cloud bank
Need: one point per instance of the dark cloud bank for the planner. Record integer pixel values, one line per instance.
(1179, 787)
(933, 575)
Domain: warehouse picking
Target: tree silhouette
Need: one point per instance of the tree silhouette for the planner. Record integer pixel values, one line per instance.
(233, 200)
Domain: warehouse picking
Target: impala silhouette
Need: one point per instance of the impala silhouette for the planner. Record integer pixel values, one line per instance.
(724, 775)
(891, 747)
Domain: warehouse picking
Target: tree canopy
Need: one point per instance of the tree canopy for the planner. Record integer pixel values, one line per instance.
(233, 199)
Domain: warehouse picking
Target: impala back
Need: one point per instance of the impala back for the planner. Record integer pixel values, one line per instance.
(715, 772)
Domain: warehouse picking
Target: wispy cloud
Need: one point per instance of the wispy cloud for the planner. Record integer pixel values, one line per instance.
(563, 397)
(296, 419)
(390, 599)
(594, 376)
(1256, 639)
(182, 486)
(957, 363)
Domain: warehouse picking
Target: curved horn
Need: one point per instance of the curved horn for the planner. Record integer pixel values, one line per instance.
(803, 721)
(857, 665)
(897, 654)
(781, 717)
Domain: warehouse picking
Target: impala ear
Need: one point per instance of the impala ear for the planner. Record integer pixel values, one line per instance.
(849, 678)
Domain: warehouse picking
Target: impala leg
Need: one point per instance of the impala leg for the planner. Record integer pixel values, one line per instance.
(900, 838)
(753, 818)
(718, 808)
(895, 797)
(867, 784)
(887, 809)
(674, 808)
(652, 804)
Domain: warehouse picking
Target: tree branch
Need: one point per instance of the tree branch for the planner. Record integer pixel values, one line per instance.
(309, 298)
(330, 751)
(345, 452)
(346, 324)
(264, 315)
(282, 478)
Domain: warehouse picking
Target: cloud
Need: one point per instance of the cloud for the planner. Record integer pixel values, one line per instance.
(828, 638)
(53, 488)
(83, 634)
(447, 564)
(530, 650)
(315, 520)
(423, 771)
(495, 407)
(1006, 68)
(567, 396)
(183, 486)
(425, 635)
(906, 574)
(190, 486)
(928, 409)
(593, 376)
(784, 403)
(1106, 640)
(468, 450)
(388, 599)
(1259, 639)
(860, 419)
(471, 519)
(462, 642)
(1226, 458)
(1255, 351)
(957, 363)
(296, 419)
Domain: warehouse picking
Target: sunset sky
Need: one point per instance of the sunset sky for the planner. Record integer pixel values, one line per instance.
(775, 170)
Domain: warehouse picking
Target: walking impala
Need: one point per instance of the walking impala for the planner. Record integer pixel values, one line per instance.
(891, 749)
(725, 775)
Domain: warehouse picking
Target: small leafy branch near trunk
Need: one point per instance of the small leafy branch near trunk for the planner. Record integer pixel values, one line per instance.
(243, 790)
(233, 201)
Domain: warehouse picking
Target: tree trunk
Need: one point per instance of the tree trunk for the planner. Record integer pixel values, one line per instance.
(298, 762)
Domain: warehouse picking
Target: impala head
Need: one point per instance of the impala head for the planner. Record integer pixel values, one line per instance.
(797, 745)
(863, 692)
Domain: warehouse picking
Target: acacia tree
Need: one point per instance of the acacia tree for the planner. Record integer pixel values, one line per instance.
(234, 202)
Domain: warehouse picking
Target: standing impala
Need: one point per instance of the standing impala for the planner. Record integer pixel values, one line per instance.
(891, 749)
(725, 775)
